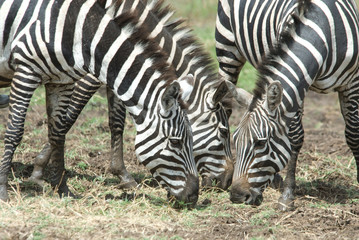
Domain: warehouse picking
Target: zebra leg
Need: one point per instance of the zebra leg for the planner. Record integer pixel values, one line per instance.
(57, 101)
(22, 89)
(117, 115)
(296, 135)
(349, 103)
(81, 94)
(60, 100)
(229, 58)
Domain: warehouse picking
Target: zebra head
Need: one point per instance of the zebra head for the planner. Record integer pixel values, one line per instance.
(211, 137)
(165, 144)
(262, 145)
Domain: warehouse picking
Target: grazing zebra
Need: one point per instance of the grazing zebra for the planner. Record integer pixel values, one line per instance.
(206, 114)
(307, 44)
(59, 42)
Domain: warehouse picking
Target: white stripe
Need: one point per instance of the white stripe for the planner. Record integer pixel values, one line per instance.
(256, 41)
(59, 32)
(125, 34)
(160, 25)
(79, 29)
(176, 37)
(96, 39)
(227, 33)
(47, 20)
(331, 20)
(138, 50)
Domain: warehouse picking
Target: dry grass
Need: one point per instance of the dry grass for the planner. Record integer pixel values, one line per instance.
(327, 204)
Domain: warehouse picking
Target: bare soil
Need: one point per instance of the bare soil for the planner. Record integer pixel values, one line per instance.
(327, 204)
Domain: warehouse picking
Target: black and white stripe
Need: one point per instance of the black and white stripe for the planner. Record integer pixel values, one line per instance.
(310, 44)
(206, 112)
(60, 42)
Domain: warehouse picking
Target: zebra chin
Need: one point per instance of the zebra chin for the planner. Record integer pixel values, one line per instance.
(188, 197)
(242, 193)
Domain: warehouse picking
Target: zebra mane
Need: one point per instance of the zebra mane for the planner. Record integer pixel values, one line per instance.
(276, 52)
(175, 26)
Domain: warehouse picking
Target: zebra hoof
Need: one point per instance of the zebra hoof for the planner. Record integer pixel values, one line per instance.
(127, 184)
(3, 193)
(286, 204)
(37, 181)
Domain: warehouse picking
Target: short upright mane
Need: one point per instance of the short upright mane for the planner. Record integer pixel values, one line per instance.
(276, 52)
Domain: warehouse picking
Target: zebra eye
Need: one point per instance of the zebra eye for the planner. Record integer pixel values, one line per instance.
(224, 132)
(175, 142)
(260, 142)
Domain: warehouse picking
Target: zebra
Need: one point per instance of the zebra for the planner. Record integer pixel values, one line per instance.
(60, 42)
(308, 45)
(205, 110)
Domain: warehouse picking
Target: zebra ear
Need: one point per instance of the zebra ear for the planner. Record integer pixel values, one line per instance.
(243, 97)
(274, 95)
(170, 96)
(221, 91)
(186, 84)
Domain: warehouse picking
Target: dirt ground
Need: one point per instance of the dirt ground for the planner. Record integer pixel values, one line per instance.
(323, 182)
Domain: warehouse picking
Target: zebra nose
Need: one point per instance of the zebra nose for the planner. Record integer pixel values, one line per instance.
(189, 196)
(240, 196)
(192, 190)
(240, 193)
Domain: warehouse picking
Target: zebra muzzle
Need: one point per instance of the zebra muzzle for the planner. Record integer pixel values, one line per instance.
(189, 196)
(241, 193)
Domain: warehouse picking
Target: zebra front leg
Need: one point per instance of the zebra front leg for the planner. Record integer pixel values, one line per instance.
(117, 115)
(22, 89)
(296, 135)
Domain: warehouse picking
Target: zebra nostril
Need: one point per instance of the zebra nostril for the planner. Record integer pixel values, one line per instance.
(247, 197)
(192, 200)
